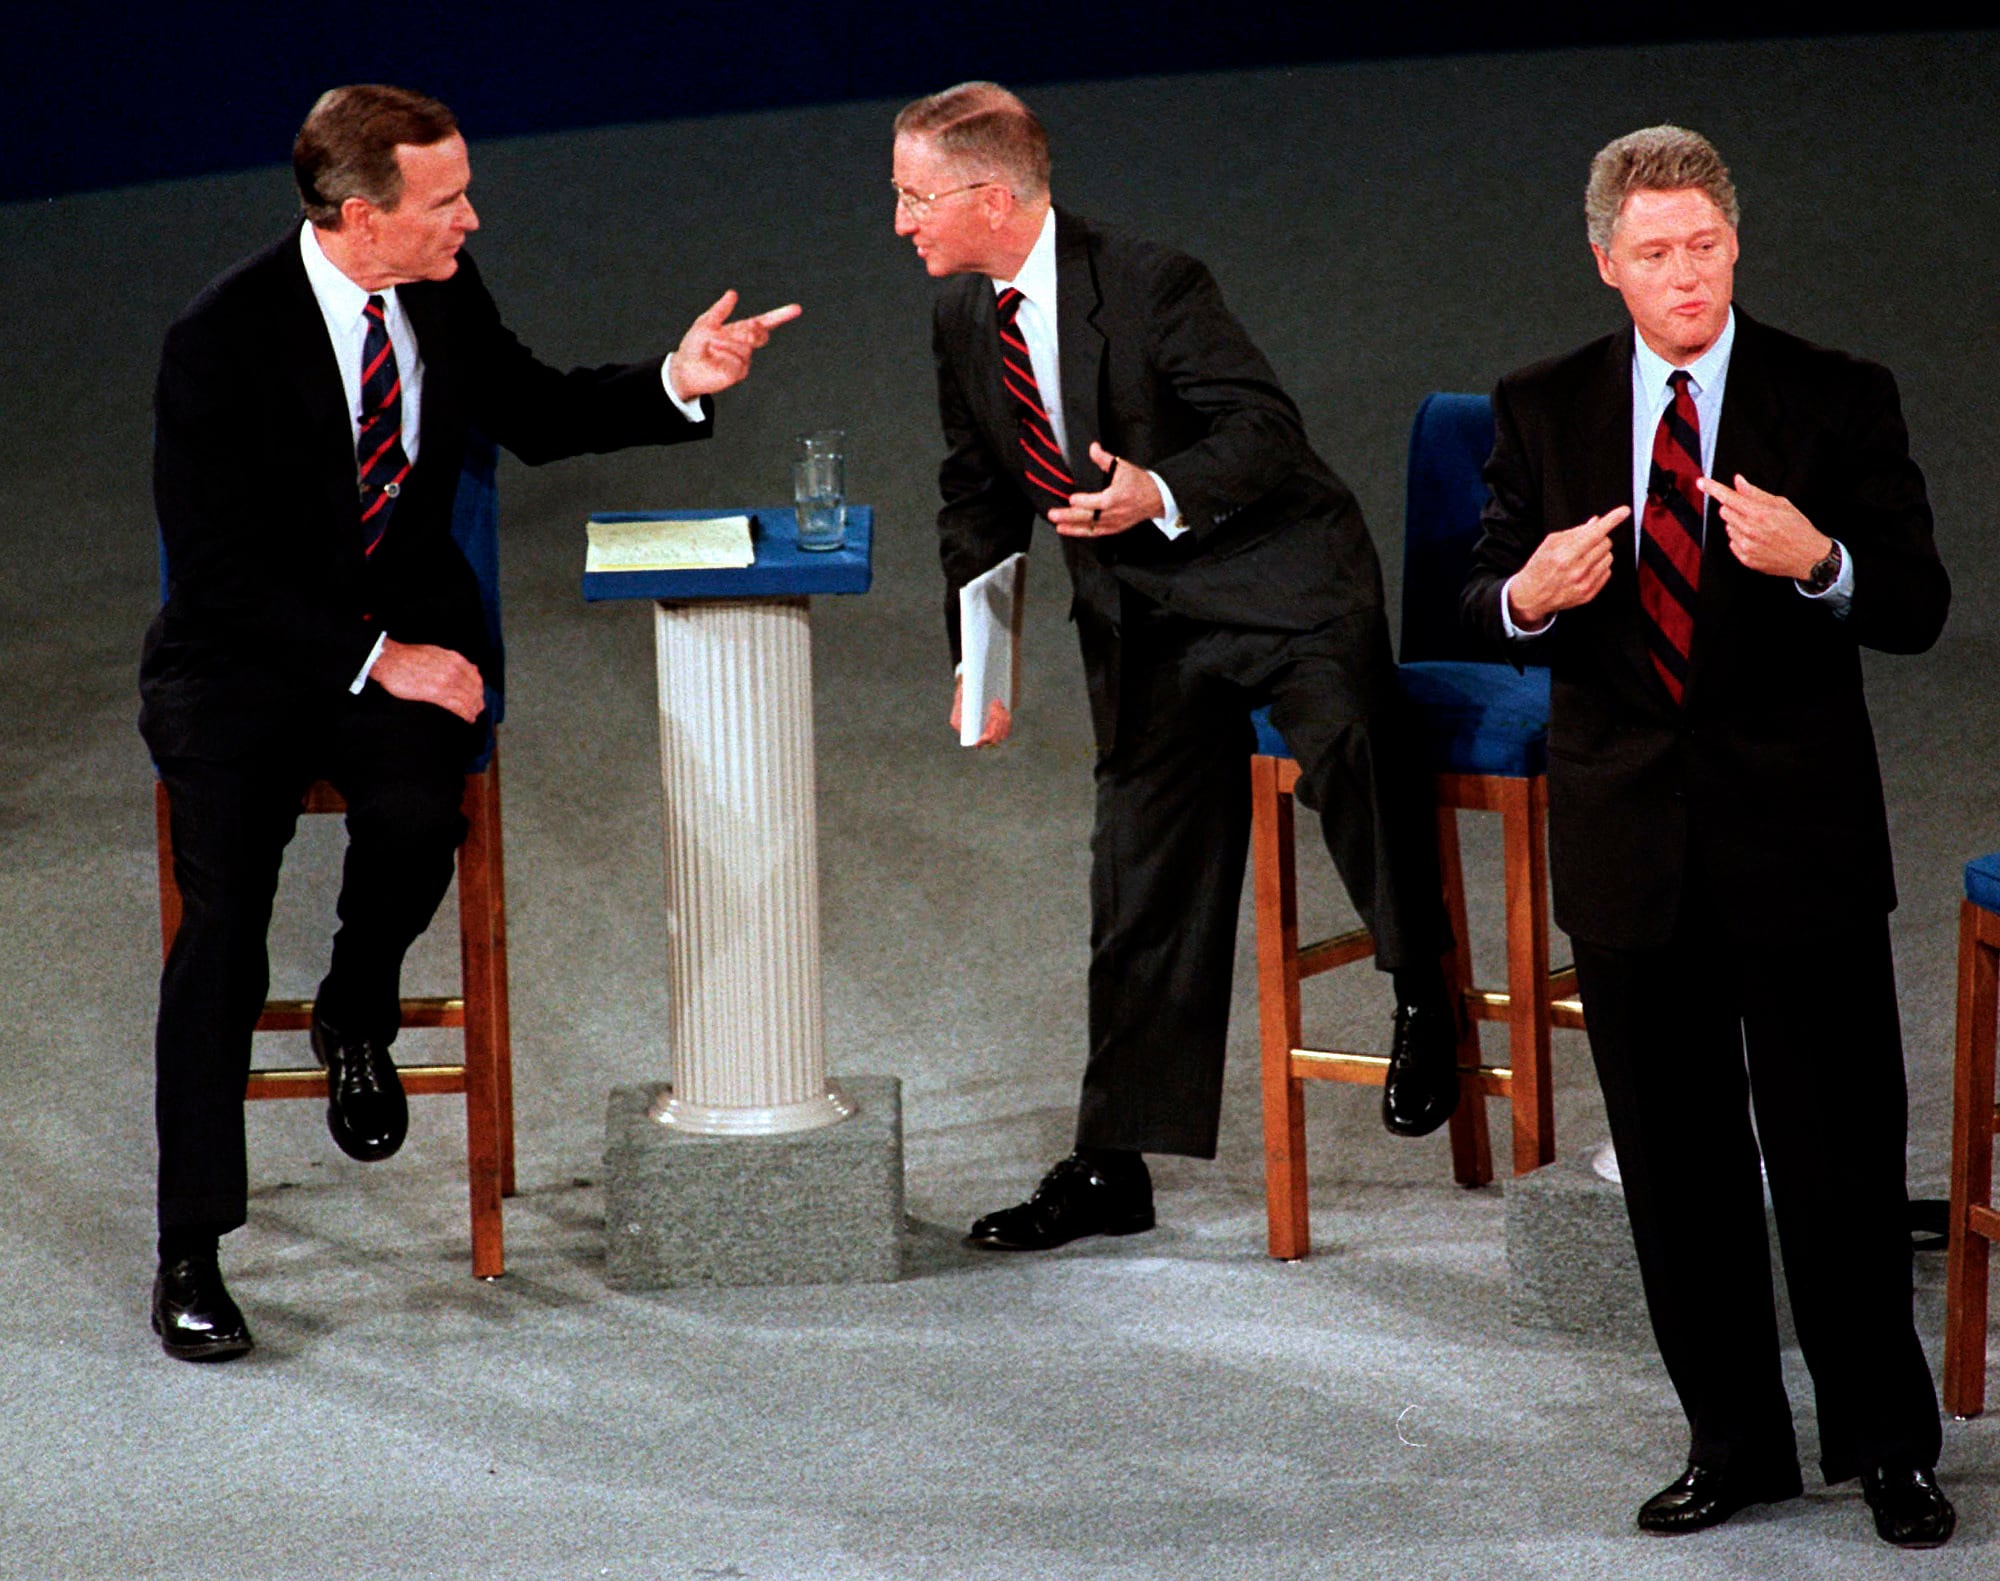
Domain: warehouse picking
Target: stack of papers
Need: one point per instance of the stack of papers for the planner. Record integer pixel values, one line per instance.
(989, 628)
(662, 543)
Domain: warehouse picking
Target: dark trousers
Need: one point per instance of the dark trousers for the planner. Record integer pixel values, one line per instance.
(401, 768)
(1173, 830)
(1800, 1030)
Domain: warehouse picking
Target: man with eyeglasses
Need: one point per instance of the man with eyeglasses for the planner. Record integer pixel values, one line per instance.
(1099, 382)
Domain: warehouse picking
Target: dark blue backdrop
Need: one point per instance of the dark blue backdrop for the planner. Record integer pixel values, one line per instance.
(105, 94)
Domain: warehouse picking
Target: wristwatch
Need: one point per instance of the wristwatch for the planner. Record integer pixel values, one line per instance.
(1823, 575)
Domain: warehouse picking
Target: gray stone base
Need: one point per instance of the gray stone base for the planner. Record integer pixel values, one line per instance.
(807, 1208)
(1570, 1261)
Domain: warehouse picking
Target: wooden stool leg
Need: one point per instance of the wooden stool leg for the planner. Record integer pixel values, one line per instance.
(1524, 824)
(1971, 1160)
(1471, 1141)
(1276, 893)
(482, 1127)
(503, 1035)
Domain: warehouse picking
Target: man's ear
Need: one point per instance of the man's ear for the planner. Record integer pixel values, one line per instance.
(355, 216)
(1606, 270)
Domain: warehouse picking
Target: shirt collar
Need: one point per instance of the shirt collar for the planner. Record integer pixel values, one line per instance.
(1653, 370)
(340, 299)
(1037, 279)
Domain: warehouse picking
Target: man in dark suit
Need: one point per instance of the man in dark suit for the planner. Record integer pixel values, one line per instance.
(1098, 380)
(1718, 842)
(313, 409)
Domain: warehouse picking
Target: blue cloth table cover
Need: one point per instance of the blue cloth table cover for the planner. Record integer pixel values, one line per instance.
(1472, 718)
(1982, 882)
(782, 569)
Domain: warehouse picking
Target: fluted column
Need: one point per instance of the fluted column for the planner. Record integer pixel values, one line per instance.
(742, 860)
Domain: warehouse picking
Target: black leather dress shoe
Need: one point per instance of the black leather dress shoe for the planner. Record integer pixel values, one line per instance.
(1421, 1088)
(1078, 1197)
(1702, 1497)
(1911, 1510)
(193, 1315)
(365, 1107)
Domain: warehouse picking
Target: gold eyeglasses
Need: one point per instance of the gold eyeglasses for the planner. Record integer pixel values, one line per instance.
(919, 203)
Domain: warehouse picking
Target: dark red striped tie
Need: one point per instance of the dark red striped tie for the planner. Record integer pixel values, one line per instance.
(1670, 539)
(378, 451)
(1042, 461)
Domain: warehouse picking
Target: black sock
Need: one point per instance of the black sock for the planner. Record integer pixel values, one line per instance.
(1115, 1163)
(194, 1246)
(1422, 986)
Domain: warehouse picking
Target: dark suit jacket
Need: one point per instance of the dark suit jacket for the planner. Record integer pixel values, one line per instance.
(1771, 761)
(1157, 370)
(271, 608)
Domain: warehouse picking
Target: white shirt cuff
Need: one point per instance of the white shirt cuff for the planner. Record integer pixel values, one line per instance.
(368, 664)
(691, 410)
(1507, 615)
(1169, 520)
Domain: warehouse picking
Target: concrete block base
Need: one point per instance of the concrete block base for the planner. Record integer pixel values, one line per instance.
(1571, 1265)
(804, 1208)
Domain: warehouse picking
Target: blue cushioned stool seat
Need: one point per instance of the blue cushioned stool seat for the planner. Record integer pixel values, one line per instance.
(1473, 718)
(1982, 881)
(1480, 718)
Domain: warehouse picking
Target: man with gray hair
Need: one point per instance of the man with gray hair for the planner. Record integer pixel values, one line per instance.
(1097, 381)
(1705, 521)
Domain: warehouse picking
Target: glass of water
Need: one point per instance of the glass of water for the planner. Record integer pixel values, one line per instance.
(819, 488)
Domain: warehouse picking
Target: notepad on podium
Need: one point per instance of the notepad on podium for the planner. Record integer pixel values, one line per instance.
(779, 567)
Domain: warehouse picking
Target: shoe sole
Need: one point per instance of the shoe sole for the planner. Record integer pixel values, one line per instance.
(212, 1350)
(1124, 1227)
(1776, 1497)
(1423, 1128)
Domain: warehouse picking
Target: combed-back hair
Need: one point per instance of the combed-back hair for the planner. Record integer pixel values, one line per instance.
(347, 147)
(985, 131)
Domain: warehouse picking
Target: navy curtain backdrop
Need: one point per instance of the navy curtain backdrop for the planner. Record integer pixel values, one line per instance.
(108, 94)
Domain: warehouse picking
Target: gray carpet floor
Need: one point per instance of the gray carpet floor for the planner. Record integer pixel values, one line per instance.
(1171, 1406)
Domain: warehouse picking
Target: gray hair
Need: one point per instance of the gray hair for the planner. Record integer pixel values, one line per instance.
(981, 127)
(1655, 159)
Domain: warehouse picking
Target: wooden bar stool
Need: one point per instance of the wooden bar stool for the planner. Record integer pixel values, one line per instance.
(1974, 1119)
(1485, 728)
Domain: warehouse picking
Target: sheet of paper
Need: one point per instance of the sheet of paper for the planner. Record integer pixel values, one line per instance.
(659, 543)
(989, 628)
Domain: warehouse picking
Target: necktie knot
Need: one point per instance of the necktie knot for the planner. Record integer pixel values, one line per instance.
(1679, 380)
(1010, 305)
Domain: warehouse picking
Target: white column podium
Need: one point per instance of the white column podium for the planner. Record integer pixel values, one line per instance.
(749, 1165)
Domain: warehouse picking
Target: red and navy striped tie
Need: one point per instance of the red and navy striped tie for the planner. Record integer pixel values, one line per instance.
(1670, 539)
(1040, 459)
(378, 451)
